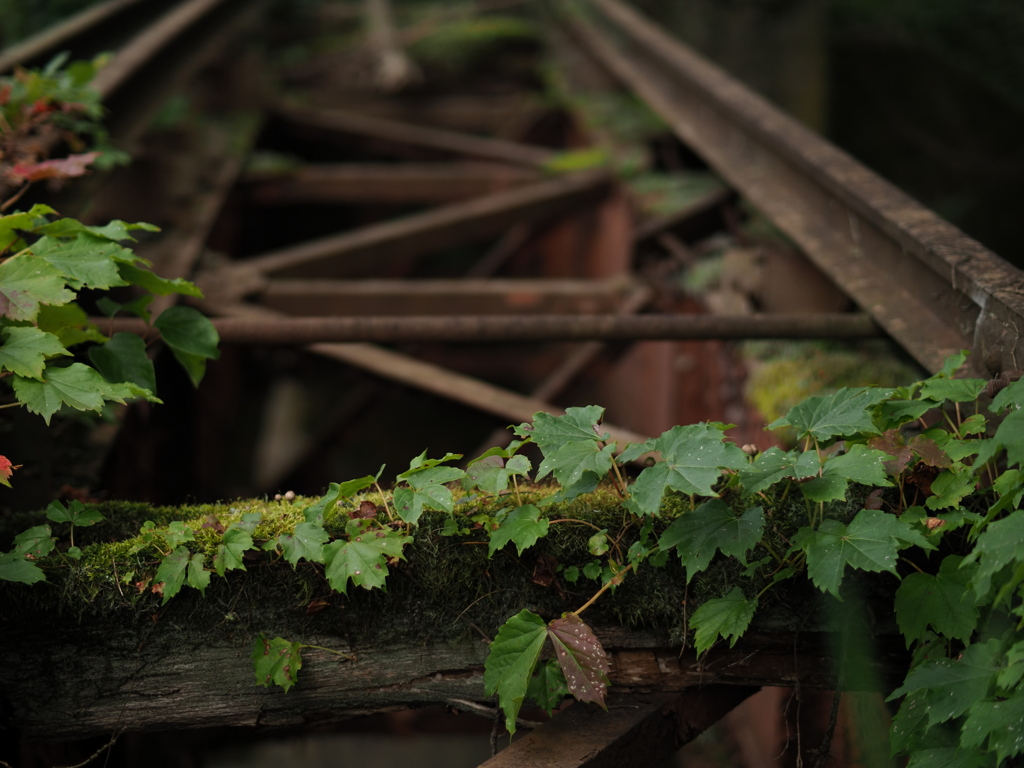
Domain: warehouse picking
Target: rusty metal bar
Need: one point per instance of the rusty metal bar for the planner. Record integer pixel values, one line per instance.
(638, 730)
(931, 287)
(369, 247)
(392, 183)
(519, 328)
(449, 142)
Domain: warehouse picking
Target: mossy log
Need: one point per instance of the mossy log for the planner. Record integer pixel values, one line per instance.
(93, 650)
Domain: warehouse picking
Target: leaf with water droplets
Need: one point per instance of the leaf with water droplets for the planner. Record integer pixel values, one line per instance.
(276, 661)
(582, 658)
(1000, 722)
(363, 558)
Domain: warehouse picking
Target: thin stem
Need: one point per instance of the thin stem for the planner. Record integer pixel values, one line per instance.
(912, 564)
(574, 520)
(613, 581)
(623, 488)
(349, 656)
(515, 487)
(384, 500)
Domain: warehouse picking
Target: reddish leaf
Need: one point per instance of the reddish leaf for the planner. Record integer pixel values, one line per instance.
(6, 468)
(315, 606)
(928, 451)
(61, 168)
(367, 510)
(874, 499)
(892, 443)
(213, 522)
(583, 660)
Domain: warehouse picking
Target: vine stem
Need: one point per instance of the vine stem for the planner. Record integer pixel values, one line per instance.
(348, 656)
(574, 520)
(384, 500)
(623, 488)
(611, 582)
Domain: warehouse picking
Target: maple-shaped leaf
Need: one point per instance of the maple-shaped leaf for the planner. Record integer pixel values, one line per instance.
(1000, 544)
(491, 473)
(306, 541)
(12, 224)
(123, 358)
(949, 757)
(230, 551)
(84, 260)
(693, 459)
(60, 168)
(276, 661)
(363, 559)
(523, 527)
(769, 468)
(999, 723)
(511, 660)
(948, 687)
(6, 470)
(191, 337)
(26, 349)
(1010, 434)
(15, 566)
(845, 412)
(172, 572)
(952, 390)
(25, 283)
(945, 601)
(1011, 396)
(951, 487)
(582, 658)
(870, 543)
(77, 385)
(860, 464)
(115, 230)
(69, 323)
(726, 617)
(571, 444)
(36, 542)
(547, 687)
(698, 535)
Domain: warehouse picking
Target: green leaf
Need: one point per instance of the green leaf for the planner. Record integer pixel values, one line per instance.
(75, 513)
(860, 464)
(36, 542)
(951, 486)
(26, 349)
(582, 658)
(84, 260)
(21, 221)
(191, 337)
(949, 757)
(409, 503)
(999, 545)
(363, 559)
(548, 687)
(947, 688)
(153, 283)
(124, 358)
(177, 532)
(510, 662)
(711, 527)
(232, 548)
(69, 323)
(523, 527)
(769, 468)
(277, 661)
(15, 567)
(869, 543)
(571, 444)
(198, 576)
(1011, 395)
(77, 385)
(307, 541)
(725, 617)
(1000, 723)
(25, 283)
(491, 473)
(693, 458)
(945, 602)
(952, 390)
(421, 463)
(172, 572)
(316, 512)
(115, 230)
(845, 413)
(1010, 434)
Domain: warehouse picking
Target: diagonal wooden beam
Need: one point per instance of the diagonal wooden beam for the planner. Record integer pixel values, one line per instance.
(349, 124)
(637, 731)
(368, 248)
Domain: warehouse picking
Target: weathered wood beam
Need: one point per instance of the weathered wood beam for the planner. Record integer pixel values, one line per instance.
(442, 297)
(636, 731)
(373, 183)
(348, 124)
(365, 250)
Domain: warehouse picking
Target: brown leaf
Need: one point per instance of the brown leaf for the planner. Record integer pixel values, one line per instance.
(874, 499)
(581, 657)
(544, 570)
(61, 168)
(315, 606)
(928, 451)
(367, 510)
(891, 442)
(213, 522)
(934, 522)
(922, 476)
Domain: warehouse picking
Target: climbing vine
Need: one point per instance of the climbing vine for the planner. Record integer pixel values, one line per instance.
(933, 471)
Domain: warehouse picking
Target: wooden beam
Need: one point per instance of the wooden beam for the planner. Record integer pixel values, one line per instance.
(373, 183)
(364, 250)
(443, 297)
(639, 730)
(348, 124)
